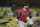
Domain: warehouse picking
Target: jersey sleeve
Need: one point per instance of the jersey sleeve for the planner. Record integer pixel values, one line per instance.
(29, 12)
(19, 13)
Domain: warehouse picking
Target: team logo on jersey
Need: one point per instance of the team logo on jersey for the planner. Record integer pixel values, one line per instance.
(25, 14)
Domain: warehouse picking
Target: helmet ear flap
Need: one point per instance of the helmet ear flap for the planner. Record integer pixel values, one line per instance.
(27, 8)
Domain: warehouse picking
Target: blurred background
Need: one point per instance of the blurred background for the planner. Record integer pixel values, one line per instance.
(9, 10)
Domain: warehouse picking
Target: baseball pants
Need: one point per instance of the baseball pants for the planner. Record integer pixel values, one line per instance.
(22, 24)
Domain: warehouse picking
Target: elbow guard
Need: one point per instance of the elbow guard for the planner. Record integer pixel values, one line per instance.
(18, 17)
(30, 16)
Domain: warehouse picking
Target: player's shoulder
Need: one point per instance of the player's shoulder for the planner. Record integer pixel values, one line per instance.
(20, 10)
(29, 10)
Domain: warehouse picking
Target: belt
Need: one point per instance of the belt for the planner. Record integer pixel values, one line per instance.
(23, 21)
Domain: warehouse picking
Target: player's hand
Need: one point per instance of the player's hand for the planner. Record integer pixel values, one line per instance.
(27, 18)
(17, 20)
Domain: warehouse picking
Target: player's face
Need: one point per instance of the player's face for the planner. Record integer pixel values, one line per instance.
(26, 7)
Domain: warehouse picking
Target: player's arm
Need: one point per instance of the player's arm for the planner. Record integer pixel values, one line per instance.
(18, 16)
(30, 16)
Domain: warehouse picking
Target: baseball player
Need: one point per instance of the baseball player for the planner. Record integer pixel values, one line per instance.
(22, 14)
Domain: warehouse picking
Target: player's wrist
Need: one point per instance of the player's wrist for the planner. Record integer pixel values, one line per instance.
(16, 19)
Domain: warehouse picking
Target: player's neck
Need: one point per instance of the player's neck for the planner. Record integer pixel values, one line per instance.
(24, 9)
